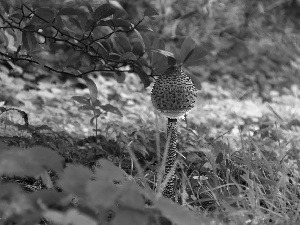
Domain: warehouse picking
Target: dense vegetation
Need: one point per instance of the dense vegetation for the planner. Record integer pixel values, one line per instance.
(80, 142)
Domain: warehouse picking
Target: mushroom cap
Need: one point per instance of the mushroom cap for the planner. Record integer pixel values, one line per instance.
(173, 93)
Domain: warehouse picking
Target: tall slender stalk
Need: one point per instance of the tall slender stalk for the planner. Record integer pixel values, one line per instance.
(169, 190)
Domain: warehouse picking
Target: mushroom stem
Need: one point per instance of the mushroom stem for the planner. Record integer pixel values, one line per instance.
(169, 190)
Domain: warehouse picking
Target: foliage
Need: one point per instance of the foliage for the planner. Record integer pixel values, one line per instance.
(95, 38)
(239, 157)
(106, 188)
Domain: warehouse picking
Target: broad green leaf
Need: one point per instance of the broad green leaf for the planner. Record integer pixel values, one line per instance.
(158, 43)
(138, 49)
(29, 40)
(47, 197)
(180, 215)
(151, 12)
(127, 216)
(85, 59)
(187, 46)
(74, 179)
(120, 77)
(119, 23)
(143, 76)
(119, 13)
(101, 193)
(160, 63)
(99, 49)
(163, 52)
(196, 81)
(72, 216)
(111, 109)
(3, 39)
(144, 28)
(89, 25)
(114, 56)
(146, 41)
(106, 171)
(69, 11)
(6, 7)
(103, 11)
(42, 15)
(73, 59)
(17, 15)
(128, 56)
(92, 88)
(123, 42)
(195, 57)
(75, 22)
(30, 162)
(82, 100)
(46, 180)
(143, 62)
(85, 107)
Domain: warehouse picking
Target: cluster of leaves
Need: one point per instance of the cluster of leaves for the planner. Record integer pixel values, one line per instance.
(77, 39)
(105, 195)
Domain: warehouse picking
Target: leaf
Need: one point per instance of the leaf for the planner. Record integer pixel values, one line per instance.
(82, 100)
(73, 59)
(132, 196)
(187, 46)
(180, 215)
(163, 52)
(3, 39)
(89, 25)
(160, 63)
(146, 42)
(29, 41)
(219, 158)
(128, 56)
(196, 81)
(75, 23)
(111, 109)
(138, 49)
(46, 179)
(85, 107)
(42, 16)
(92, 88)
(195, 57)
(107, 171)
(69, 11)
(123, 42)
(103, 11)
(100, 49)
(151, 12)
(72, 216)
(114, 56)
(144, 28)
(85, 59)
(30, 162)
(74, 179)
(101, 193)
(119, 76)
(143, 76)
(119, 23)
(47, 197)
(158, 43)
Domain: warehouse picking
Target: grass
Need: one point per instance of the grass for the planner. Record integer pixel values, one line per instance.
(240, 170)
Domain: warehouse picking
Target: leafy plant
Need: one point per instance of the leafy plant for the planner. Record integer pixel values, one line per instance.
(94, 38)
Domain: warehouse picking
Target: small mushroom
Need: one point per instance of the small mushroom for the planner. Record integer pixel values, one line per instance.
(173, 95)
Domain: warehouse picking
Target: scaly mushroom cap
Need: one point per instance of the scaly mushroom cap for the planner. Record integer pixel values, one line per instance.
(173, 93)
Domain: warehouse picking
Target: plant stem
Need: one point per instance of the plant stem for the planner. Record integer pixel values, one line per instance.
(169, 190)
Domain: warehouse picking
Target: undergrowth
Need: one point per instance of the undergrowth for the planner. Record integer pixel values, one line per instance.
(49, 177)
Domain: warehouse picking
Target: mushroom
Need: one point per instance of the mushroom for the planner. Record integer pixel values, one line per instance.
(173, 95)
